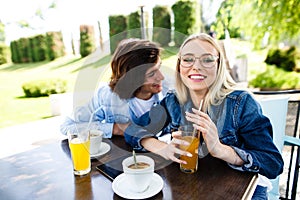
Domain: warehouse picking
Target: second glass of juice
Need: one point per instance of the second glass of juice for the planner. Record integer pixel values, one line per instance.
(79, 143)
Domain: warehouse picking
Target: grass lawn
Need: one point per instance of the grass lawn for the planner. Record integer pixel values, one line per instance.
(80, 74)
(14, 107)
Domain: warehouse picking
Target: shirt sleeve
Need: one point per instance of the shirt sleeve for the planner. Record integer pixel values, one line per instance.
(85, 116)
(247, 158)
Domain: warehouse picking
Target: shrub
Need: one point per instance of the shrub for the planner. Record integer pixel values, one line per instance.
(4, 51)
(24, 50)
(162, 25)
(117, 30)
(276, 79)
(39, 88)
(185, 19)
(134, 25)
(41, 47)
(283, 58)
(87, 40)
(15, 55)
(55, 45)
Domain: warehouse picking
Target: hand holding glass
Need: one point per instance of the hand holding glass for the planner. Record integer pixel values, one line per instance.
(190, 135)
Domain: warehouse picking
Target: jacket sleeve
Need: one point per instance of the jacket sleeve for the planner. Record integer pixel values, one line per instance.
(135, 133)
(257, 148)
(164, 118)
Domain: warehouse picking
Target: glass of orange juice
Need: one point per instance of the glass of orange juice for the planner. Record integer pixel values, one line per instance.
(193, 137)
(79, 143)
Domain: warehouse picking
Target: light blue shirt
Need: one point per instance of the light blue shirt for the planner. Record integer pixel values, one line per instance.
(104, 109)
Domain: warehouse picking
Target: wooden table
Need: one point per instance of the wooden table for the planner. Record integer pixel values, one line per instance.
(46, 173)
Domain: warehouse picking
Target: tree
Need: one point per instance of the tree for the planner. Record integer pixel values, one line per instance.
(279, 19)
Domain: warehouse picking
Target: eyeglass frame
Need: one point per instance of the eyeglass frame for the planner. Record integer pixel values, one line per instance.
(199, 58)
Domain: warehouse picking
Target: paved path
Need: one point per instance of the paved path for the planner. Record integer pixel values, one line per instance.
(23, 137)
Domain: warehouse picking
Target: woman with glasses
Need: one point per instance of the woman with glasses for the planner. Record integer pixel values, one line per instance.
(230, 121)
(136, 84)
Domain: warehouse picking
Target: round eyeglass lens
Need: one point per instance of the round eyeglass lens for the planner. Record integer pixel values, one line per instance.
(206, 60)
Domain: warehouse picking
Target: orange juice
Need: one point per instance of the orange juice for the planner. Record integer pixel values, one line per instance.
(192, 162)
(80, 152)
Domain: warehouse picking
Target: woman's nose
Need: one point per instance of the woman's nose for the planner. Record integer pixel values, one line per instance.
(197, 64)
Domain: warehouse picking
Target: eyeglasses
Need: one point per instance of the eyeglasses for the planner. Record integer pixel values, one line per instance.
(206, 60)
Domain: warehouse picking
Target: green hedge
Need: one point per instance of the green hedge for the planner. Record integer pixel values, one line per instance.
(40, 88)
(134, 25)
(25, 50)
(4, 53)
(162, 25)
(186, 22)
(185, 19)
(41, 47)
(117, 30)
(87, 40)
(55, 45)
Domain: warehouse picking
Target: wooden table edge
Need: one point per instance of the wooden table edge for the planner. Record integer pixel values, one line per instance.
(251, 188)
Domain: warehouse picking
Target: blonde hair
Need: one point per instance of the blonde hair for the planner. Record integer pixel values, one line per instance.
(221, 87)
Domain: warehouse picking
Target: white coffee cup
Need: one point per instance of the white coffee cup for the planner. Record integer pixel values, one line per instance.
(138, 179)
(96, 140)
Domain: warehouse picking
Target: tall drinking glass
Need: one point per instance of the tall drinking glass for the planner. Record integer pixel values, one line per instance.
(193, 137)
(79, 143)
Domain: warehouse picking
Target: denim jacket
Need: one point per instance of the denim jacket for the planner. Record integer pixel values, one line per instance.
(240, 124)
(105, 109)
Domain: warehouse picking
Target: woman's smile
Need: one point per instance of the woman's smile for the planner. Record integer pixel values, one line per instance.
(197, 77)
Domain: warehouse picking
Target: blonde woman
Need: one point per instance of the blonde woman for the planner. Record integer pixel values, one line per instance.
(231, 121)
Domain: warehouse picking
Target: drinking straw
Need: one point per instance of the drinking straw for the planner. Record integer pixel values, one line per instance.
(134, 159)
(199, 109)
(91, 118)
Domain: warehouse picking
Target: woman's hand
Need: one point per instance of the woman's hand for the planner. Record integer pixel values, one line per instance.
(167, 151)
(202, 122)
(209, 131)
(173, 148)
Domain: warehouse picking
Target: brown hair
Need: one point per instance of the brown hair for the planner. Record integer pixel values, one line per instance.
(130, 61)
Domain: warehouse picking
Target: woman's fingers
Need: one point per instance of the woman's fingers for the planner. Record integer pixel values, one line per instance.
(180, 152)
(176, 134)
(178, 141)
(179, 161)
(173, 148)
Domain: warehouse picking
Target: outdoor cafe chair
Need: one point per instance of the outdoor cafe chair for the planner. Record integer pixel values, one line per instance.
(276, 109)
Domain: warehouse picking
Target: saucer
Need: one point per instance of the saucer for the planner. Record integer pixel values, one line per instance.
(103, 150)
(121, 187)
